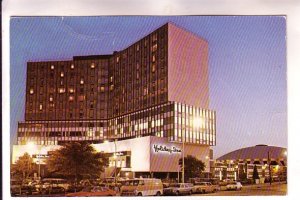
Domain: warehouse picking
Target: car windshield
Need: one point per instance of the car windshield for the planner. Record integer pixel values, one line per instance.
(133, 182)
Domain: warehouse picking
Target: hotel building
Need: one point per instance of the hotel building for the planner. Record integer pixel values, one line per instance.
(145, 99)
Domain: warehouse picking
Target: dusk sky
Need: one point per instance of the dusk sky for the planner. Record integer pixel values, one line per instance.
(247, 65)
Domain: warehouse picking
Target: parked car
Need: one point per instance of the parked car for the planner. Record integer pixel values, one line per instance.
(234, 186)
(17, 187)
(142, 187)
(52, 186)
(93, 191)
(204, 187)
(179, 189)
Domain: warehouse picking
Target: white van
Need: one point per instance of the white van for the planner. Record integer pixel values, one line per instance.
(142, 187)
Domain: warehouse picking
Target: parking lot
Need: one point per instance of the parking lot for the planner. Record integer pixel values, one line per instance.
(276, 189)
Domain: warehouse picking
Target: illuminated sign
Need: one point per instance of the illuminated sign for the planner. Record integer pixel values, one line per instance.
(39, 156)
(162, 148)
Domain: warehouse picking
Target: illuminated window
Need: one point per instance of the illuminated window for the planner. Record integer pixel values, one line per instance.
(41, 107)
(153, 58)
(153, 68)
(145, 91)
(118, 59)
(52, 67)
(102, 89)
(81, 81)
(154, 37)
(92, 65)
(61, 90)
(71, 98)
(154, 48)
(137, 47)
(71, 90)
(31, 91)
(61, 74)
(81, 98)
(72, 66)
(111, 87)
(51, 99)
(111, 78)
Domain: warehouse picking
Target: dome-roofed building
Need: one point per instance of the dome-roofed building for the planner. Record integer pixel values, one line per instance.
(239, 164)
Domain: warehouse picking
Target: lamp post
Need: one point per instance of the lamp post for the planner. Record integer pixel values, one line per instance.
(115, 157)
(270, 173)
(207, 158)
(183, 140)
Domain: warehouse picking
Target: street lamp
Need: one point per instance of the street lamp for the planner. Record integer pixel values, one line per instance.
(207, 158)
(270, 172)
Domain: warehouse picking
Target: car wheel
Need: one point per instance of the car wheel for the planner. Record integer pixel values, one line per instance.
(158, 193)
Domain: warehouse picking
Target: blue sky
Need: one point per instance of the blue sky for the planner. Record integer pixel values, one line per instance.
(247, 65)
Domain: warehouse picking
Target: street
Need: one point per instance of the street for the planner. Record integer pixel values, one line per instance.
(253, 190)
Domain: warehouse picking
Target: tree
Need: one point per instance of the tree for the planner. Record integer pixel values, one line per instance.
(23, 168)
(255, 173)
(192, 167)
(75, 160)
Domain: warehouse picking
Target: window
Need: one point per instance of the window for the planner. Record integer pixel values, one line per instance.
(111, 87)
(153, 58)
(61, 74)
(71, 98)
(81, 98)
(61, 90)
(31, 91)
(92, 65)
(118, 59)
(51, 99)
(72, 66)
(41, 107)
(154, 48)
(71, 90)
(102, 89)
(145, 91)
(81, 81)
(153, 68)
(154, 37)
(52, 67)
(137, 47)
(111, 79)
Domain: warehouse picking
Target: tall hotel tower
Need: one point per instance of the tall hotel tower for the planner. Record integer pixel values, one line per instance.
(148, 99)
